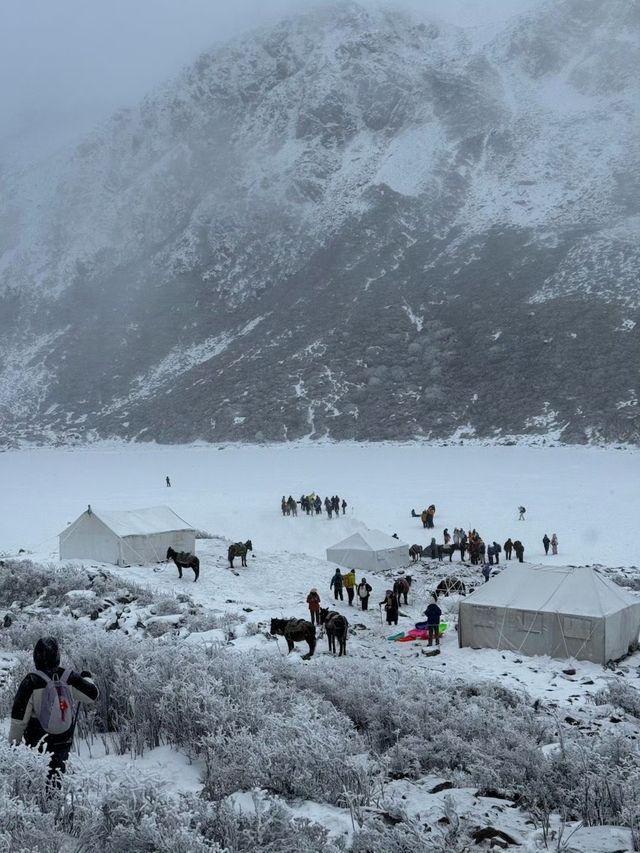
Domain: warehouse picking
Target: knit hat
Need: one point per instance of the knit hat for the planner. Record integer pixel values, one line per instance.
(46, 653)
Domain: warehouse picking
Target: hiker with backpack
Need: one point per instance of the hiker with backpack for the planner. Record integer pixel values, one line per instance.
(46, 705)
(521, 512)
(364, 591)
(349, 583)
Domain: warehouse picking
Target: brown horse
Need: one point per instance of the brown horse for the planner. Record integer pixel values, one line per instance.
(295, 631)
(184, 560)
(415, 552)
(239, 549)
(337, 628)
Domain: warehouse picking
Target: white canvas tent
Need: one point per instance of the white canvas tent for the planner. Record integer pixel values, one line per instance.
(369, 550)
(562, 612)
(125, 537)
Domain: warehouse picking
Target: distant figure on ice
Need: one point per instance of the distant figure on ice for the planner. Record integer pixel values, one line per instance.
(518, 547)
(521, 511)
(508, 548)
(545, 543)
(344, 506)
(168, 481)
(554, 544)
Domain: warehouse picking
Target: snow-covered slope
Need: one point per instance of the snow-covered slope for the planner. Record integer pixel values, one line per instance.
(354, 224)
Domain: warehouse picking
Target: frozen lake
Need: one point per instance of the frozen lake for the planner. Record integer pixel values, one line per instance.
(588, 496)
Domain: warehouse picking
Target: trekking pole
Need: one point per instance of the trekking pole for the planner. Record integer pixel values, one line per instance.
(380, 610)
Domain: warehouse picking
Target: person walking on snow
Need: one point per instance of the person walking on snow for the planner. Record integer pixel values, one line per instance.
(364, 591)
(518, 547)
(167, 481)
(31, 718)
(554, 544)
(486, 571)
(545, 543)
(349, 582)
(391, 607)
(313, 602)
(336, 585)
(344, 506)
(497, 547)
(508, 548)
(433, 614)
(521, 512)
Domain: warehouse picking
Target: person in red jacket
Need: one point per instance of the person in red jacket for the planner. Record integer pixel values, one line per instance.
(313, 602)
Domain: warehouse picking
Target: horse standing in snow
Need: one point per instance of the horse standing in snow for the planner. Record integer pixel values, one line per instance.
(415, 552)
(295, 631)
(337, 628)
(239, 549)
(184, 560)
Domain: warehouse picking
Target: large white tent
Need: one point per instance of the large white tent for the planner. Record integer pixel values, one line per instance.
(125, 537)
(369, 550)
(564, 612)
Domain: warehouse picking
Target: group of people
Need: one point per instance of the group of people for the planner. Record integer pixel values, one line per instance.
(553, 542)
(349, 582)
(312, 504)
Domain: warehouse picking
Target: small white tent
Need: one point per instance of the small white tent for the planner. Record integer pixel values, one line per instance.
(369, 550)
(125, 537)
(563, 612)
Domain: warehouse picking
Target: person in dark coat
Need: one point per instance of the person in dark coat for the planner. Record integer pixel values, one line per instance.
(497, 547)
(25, 711)
(344, 506)
(508, 548)
(486, 571)
(463, 544)
(518, 547)
(336, 585)
(390, 607)
(167, 481)
(364, 591)
(446, 535)
(433, 549)
(545, 544)
(433, 614)
(491, 553)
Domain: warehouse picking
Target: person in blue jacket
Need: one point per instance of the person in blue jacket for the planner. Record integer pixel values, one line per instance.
(433, 614)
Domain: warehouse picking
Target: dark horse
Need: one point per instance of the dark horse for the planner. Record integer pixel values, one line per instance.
(415, 552)
(295, 631)
(337, 628)
(184, 560)
(450, 585)
(239, 549)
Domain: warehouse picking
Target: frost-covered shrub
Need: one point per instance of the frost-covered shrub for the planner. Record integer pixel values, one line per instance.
(140, 819)
(269, 829)
(622, 696)
(24, 581)
(303, 749)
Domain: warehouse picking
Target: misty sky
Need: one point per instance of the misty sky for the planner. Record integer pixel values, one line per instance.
(67, 64)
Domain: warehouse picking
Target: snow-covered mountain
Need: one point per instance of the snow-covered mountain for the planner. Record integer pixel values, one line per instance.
(353, 224)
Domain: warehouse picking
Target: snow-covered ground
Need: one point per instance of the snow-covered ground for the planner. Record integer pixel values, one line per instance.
(588, 497)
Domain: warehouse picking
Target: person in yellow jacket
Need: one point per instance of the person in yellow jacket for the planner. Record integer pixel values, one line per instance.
(349, 583)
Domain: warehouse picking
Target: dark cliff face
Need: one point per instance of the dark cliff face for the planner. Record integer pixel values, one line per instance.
(352, 225)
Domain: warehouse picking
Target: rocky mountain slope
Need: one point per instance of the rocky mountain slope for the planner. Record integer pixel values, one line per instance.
(353, 224)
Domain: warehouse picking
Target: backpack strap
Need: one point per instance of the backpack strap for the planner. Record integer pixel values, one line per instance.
(43, 675)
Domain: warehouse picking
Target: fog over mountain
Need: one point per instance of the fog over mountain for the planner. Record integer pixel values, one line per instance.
(351, 223)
